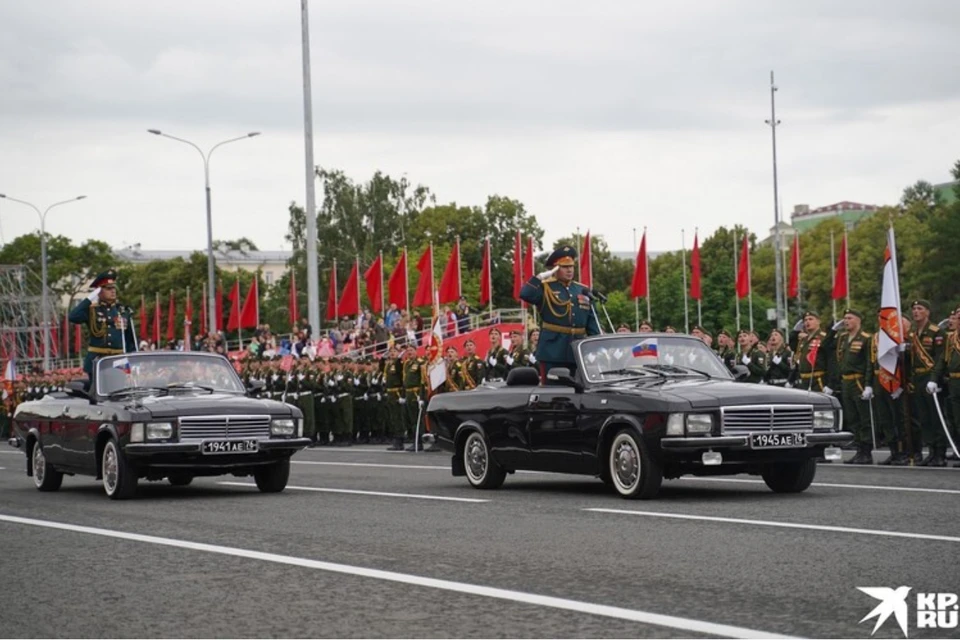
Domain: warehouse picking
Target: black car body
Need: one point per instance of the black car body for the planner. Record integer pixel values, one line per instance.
(640, 408)
(155, 415)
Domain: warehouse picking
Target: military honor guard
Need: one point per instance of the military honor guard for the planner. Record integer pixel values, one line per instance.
(853, 362)
(812, 353)
(946, 374)
(108, 322)
(496, 359)
(471, 369)
(779, 360)
(566, 310)
(751, 356)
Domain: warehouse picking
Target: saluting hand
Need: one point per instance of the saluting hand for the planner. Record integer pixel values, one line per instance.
(94, 296)
(548, 273)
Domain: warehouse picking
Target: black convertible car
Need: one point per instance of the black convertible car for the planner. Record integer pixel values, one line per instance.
(640, 408)
(155, 415)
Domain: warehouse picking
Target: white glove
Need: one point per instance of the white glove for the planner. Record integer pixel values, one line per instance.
(420, 402)
(492, 361)
(828, 390)
(932, 387)
(94, 295)
(799, 325)
(867, 393)
(548, 273)
(300, 376)
(903, 346)
(339, 377)
(896, 394)
(532, 358)
(323, 399)
(509, 360)
(365, 397)
(331, 383)
(378, 397)
(356, 382)
(275, 377)
(777, 359)
(402, 401)
(837, 325)
(745, 359)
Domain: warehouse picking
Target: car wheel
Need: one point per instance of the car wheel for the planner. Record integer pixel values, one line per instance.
(482, 471)
(119, 480)
(181, 480)
(633, 472)
(45, 477)
(273, 478)
(791, 477)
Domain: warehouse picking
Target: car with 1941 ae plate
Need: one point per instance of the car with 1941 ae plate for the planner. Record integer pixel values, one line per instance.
(638, 409)
(155, 415)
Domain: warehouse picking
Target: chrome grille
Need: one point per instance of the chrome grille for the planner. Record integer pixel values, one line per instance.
(751, 419)
(204, 427)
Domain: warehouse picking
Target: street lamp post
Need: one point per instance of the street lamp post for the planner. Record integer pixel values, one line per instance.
(45, 307)
(211, 275)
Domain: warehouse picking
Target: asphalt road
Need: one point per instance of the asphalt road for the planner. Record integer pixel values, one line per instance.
(365, 543)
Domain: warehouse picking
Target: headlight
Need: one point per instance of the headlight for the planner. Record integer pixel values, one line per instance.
(824, 419)
(283, 427)
(158, 430)
(699, 423)
(675, 424)
(136, 432)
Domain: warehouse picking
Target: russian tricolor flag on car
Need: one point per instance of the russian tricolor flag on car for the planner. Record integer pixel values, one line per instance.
(123, 364)
(646, 349)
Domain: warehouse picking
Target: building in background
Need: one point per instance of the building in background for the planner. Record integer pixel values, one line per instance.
(804, 218)
(273, 264)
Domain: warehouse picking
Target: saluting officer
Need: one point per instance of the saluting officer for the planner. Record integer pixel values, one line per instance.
(108, 322)
(779, 360)
(812, 353)
(947, 368)
(751, 356)
(566, 310)
(853, 363)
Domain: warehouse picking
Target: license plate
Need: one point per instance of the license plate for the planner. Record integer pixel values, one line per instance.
(229, 446)
(777, 440)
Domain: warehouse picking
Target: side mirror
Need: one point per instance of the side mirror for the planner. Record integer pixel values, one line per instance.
(254, 387)
(561, 376)
(77, 388)
(740, 372)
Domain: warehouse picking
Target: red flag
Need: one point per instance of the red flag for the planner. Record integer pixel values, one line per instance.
(171, 312)
(450, 283)
(840, 277)
(65, 334)
(397, 287)
(485, 292)
(32, 346)
(424, 295)
(54, 341)
(156, 320)
(350, 300)
(528, 260)
(77, 338)
(219, 304)
(638, 288)
(586, 263)
(292, 305)
(793, 288)
(250, 315)
(233, 322)
(695, 270)
(373, 276)
(143, 318)
(517, 266)
(743, 270)
(332, 294)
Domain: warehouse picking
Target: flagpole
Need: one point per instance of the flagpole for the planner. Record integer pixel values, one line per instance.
(336, 296)
(736, 277)
(237, 302)
(636, 301)
(490, 276)
(383, 303)
(646, 261)
(696, 232)
(459, 274)
(156, 321)
(846, 264)
(359, 306)
(187, 322)
(833, 270)
(686, 302)
(406, 278)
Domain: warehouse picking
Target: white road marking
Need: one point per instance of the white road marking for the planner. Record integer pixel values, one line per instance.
(834, 485)
(385, 494)
(12, 453)
(370, 464)
(579, 606)
(784, 525)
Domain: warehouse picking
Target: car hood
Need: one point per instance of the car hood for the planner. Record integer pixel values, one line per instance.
(202, 404)
(710, 394)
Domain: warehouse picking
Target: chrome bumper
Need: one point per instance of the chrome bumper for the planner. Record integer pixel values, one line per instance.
(743, 442)
(156, 448)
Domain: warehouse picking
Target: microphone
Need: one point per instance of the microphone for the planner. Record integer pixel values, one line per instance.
(593, 294)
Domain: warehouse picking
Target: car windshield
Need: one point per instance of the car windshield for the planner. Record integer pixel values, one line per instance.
(623, 356)
(168, 372)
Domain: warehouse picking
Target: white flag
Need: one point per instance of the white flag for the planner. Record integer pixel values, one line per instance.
(890, 335)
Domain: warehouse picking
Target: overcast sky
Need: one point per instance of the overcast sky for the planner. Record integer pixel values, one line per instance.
(603, 115)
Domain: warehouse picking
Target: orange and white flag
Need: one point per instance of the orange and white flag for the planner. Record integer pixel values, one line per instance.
(890, 336)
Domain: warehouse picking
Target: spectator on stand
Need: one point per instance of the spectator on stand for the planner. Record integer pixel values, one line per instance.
(463, 315)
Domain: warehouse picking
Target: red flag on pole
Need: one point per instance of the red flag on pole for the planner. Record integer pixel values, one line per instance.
(840, 277)
(485, 293)
(233, 322)
(638, 289)
(373, 276)
(397, 286)
(156, 320)
(695, 292)
(586, 263)
(187, 321)
(203, 313)
(450, 283)
(219, 304)
(743, 270)
(424, 295)
(250, 315)
(793, 288)
(65, 335)
(171, 312)
(517, 266)
(528, 260)
(350, 300)
(54, 340)
(143, 318)
(292, 301)
(332, 294)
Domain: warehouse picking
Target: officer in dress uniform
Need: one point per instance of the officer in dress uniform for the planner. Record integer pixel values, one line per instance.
(393, 382)
(926, 348)
(725, 349)
(751, 356)
(108, 322)
(566, 310)
(888, 404)
(779, 360)
(811, 354)
(496, 360)
(471, 369)
(853, 362)
(517, 356)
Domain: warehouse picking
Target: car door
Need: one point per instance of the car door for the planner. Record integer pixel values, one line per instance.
(506, 427)
(553, 429)
(78, 434)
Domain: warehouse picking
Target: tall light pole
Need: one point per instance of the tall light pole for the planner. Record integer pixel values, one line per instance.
(45, 307)
(313, 275)
(211, 275)
(778, 256)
